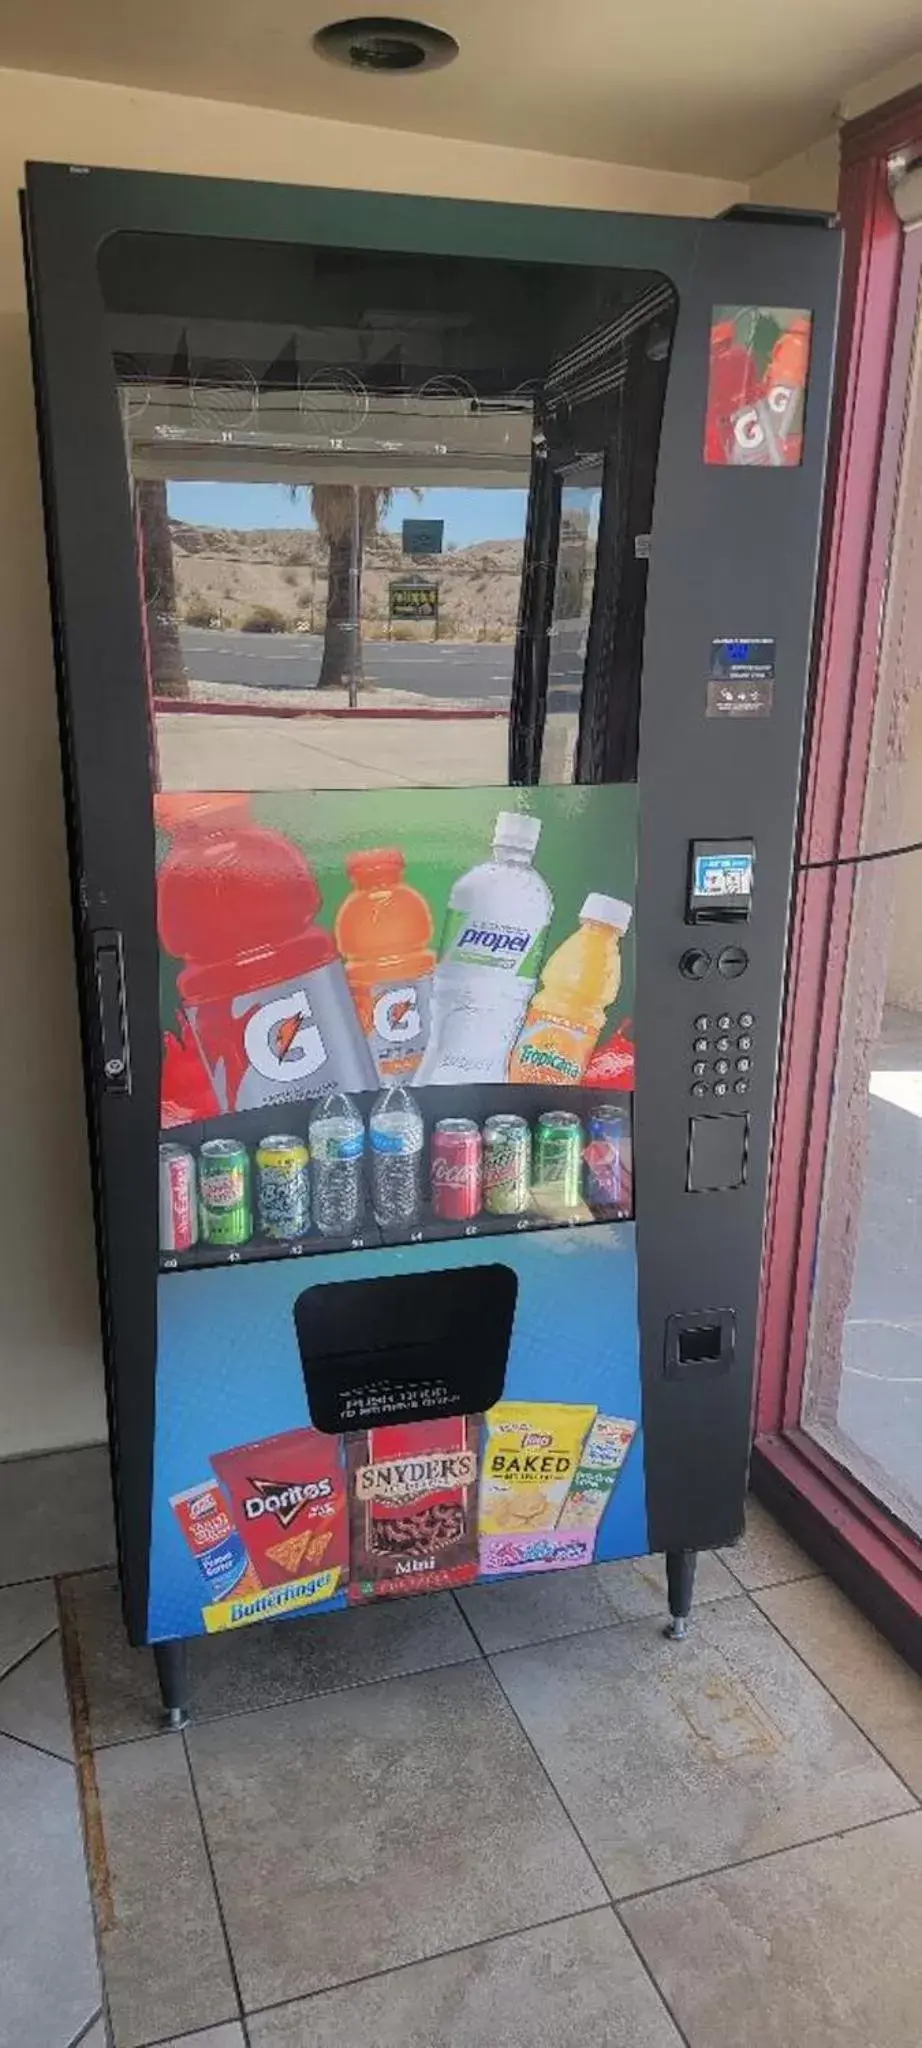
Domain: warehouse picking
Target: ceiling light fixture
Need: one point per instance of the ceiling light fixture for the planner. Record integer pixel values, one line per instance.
(379, 42)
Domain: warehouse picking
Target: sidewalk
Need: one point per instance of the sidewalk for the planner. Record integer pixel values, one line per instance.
(518, 1819)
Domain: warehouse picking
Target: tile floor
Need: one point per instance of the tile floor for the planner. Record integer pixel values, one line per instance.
(518, 1818)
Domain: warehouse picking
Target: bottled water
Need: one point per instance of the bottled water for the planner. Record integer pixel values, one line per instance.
(336, 1137)
(491, 952)
(396, 1133)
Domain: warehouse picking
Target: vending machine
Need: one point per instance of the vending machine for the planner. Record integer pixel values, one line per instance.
(432, 587)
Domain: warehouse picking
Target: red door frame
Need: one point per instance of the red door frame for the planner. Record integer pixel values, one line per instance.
(836, 1519)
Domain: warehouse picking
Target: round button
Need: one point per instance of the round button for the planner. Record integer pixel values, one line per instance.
(743, 1066)
(744, 1044)
(700, 1067)
(700, 1088)
(739, 1088)
(722, 1044)
(695, 964)
(724, 1023)
(720, 1087)
(700, 1045)
(732, 961)
(744, 1019)
(721, 1066)
(704, 1023)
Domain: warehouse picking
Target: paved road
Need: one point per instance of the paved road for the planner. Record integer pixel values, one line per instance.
(291, 661)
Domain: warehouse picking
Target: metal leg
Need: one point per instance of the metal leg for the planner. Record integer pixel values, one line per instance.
(171, 1662)
(680, 1585)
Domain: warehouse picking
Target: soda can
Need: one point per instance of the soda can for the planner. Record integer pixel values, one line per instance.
(224, 1192)
(558, 1159)
(506, 1165)
(605, 1152)
(283, 1199)
(178, 1200)
(456, 1169)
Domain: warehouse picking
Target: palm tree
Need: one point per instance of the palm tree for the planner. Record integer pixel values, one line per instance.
(155, 546)
(346, 515)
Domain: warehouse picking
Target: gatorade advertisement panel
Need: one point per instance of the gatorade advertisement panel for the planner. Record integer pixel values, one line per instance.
(384, 908)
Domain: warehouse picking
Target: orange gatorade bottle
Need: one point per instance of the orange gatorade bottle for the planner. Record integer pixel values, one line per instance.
(567, 1011)
(384, 932)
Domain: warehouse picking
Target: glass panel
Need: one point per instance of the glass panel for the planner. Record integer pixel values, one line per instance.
(380, 652)
(863, 1392)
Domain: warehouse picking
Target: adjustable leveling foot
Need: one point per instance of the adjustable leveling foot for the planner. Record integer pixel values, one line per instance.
(170, 1660)
(680, 1585)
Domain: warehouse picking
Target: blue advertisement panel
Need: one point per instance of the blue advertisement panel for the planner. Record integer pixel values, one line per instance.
(258, 1514)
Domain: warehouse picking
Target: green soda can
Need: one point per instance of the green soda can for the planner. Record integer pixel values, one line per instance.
(506, 1165)
(224, 1192)
(558, 1159)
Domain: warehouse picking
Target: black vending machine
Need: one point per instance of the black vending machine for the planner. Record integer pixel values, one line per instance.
(433, 586)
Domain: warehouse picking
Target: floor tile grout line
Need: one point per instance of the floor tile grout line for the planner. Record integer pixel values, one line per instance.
(24, 1659)
(595, 1628)
(38, 1748)
(827, 1689)
(613, 1904)
(219, 1903)
(468, 1624)
(82, 2032)
(855, 1827)
(83, 1571)
(417, 1962)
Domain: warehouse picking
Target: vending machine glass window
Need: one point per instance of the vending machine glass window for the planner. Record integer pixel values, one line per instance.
(402, 688)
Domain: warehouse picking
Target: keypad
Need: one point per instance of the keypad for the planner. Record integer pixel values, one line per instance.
(725, 1063)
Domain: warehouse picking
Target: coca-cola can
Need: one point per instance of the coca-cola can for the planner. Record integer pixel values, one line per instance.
(178, 1200)
(456, 1169)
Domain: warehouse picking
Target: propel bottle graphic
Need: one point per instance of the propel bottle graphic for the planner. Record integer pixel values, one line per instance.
(384, 933)
(492, 946)
(263, 989)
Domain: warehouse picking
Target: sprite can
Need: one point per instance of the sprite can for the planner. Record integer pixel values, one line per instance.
(558, 1159)
(224, 1192)
(506, 1165)
(283, 1200)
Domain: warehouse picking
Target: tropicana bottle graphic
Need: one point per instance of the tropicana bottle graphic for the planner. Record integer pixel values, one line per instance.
(578, 985)
(262, 986)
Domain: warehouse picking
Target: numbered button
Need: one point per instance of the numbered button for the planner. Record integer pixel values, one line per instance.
(743, 1066)
(721, 1066)
(720, 1087)
(744, 1044)
(739, 1088)
(700, 1067)
(745, 1020)
(700, 1045)
(722, 1044)
(724, 1023)
(700, 1088)
(702, 1023)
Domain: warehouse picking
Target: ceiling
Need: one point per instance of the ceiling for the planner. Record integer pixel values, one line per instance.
(724, 88)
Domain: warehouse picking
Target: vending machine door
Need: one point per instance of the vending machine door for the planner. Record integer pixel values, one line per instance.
(433, 588)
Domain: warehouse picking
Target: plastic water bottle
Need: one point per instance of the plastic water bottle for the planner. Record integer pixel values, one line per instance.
(491, 952)
(396, 1133)
(336, 1137)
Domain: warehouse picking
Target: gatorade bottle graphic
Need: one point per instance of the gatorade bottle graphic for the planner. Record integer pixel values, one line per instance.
(785, 382)
(262, 987)
(384, 933)
(578, 983)
(492, 943)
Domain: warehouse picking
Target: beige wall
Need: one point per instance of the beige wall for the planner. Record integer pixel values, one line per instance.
(810, 179)
(904, 969)
(50, 1377)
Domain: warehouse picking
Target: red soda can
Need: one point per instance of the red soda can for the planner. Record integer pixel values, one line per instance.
(456, 1169)
(178, 1199)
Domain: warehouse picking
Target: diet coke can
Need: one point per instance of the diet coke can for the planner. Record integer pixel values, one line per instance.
(456, 1169)
(178, 1200)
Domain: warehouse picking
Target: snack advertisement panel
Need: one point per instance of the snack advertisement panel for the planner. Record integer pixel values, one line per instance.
(258, 1514)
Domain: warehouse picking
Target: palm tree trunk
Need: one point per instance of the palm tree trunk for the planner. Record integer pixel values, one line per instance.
(342, 633)
(168, 668)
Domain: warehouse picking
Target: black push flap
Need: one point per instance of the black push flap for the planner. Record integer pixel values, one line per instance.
(718, 1150)
(409, 1347)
